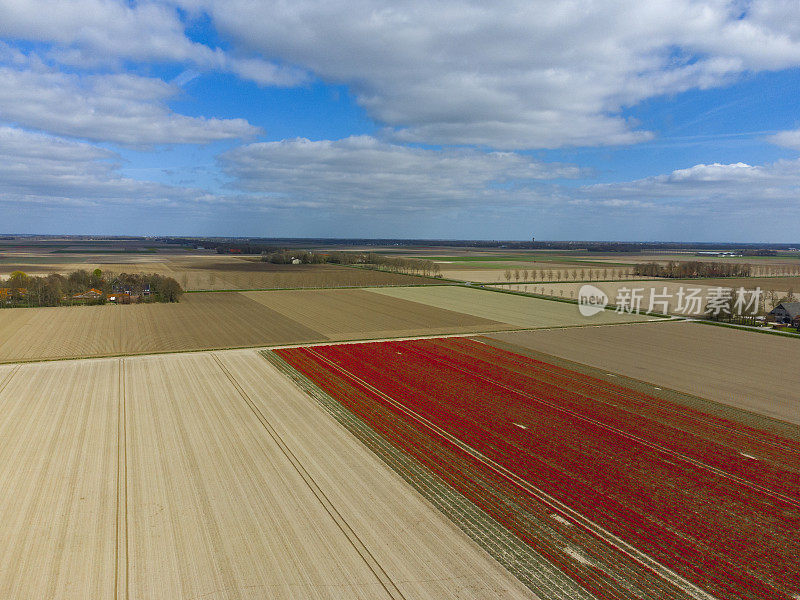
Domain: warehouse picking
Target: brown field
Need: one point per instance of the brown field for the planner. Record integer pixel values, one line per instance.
(520, 311)
(208, 476)
(355, 314)
(748, 370)
(203, 321)
(780, 285)
(216, 272)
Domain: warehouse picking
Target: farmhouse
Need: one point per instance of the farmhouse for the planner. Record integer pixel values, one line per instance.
(92, 294)
(6, 293)
(121, 297)
(785, 312)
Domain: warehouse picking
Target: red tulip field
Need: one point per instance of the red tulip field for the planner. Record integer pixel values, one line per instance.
(629, 495)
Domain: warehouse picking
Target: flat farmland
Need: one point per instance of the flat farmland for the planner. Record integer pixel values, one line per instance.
(202, 321)
(212, 272)
(743, 369)
(647, 290)
(780, 285)
(356, 314)
(198, 321)
(58, 467)
(519, 311)
(247, 274)
(208, 476)
(628, 494)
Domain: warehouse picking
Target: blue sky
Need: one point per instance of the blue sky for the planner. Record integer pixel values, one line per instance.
(668, 121)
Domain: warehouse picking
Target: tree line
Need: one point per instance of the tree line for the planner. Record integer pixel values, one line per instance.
(23, 290)
(370, 260)
(691, 269)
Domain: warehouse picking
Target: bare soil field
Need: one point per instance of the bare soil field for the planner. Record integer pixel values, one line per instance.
(58, 466)
(748, 370)
(356, 314)
(215, 272)
(781, 285)
(519, 311)
(208, 476)
(202, 321)
(199, 321)
(647, 290)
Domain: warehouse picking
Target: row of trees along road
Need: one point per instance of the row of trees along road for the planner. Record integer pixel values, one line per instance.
(692, 269)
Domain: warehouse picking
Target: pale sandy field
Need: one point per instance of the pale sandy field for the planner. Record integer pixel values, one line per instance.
(647, 290)
(520, 311)
(58, 473)
(208, 476)
(749, 370)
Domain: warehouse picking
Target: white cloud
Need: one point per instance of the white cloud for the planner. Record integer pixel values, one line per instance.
(515, 73)
(508, 74)
(89, 33)
(122, 108)
(787, 139)
(44, 169)
(363, 172)
(713, 191)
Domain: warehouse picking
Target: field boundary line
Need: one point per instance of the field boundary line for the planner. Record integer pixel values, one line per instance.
(9, 377)
(358, 545)
(545, 367)
(621, 545)
(629, 436)
(633, 437)
(674, 411)
(328, 342)
(737, 414)
(542, 578)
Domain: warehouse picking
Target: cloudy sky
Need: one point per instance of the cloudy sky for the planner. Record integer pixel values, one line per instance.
(600, 120)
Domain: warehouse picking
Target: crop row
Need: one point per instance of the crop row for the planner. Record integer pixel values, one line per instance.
(633, 465)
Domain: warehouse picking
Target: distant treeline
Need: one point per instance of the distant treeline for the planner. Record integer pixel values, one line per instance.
(407, 266)
(20, 289)
(691, 269)
(259, 245)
